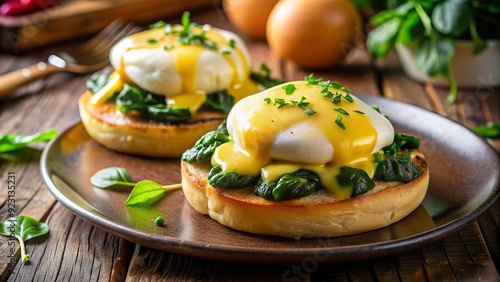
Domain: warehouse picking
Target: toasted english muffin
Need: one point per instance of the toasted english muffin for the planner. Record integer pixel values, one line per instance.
(317, 215)
(133, 135)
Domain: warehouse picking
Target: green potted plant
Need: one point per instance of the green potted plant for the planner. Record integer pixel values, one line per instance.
(450, 41)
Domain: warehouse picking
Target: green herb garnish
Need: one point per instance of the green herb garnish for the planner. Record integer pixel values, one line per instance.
(226, 52)
(151, 41)
(168, 47)
(289, 88)
(280, 102)
(336, 98)
(158, 24)
(359, 112)
(268, 100)
(310, 112)
(263, 77)
(232, 43)
(338, 121)
(13, 142)
(319, 81)
(342, 111)
(301, 104)
(348, 98)
(23, 228)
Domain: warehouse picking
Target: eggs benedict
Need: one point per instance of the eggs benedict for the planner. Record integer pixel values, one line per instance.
(171, 84)
(305, 159)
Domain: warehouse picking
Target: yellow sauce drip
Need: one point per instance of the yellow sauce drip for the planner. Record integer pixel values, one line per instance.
(258, 123)
(187, 57)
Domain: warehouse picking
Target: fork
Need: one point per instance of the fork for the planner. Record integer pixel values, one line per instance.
(88, 57)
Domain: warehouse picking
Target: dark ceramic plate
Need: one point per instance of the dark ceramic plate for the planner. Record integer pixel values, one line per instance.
(464, 183)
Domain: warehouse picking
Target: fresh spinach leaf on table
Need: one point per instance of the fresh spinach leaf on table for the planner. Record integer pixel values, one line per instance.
(23, 228)
(12, 142)
(144, 192)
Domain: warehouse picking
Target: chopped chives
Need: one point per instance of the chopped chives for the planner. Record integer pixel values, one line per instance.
(151, 40)
(338, 121)
(310, 112)
(328, 94)
(281, 102)
(342, 111)
(226, 52)
(268, 100)
(348, 97)
(336, 98)
(232, 43)
(359, 112)
(168, 47)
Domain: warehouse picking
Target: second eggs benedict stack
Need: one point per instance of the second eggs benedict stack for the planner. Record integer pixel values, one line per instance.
(170, 85)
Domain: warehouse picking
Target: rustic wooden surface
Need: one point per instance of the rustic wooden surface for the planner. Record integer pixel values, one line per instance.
(82, 18)
(77, 251)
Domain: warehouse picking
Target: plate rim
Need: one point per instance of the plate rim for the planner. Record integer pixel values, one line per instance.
(241, 254)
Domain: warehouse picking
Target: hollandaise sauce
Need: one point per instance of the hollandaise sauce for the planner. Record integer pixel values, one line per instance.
(279, 131)
(184, 50)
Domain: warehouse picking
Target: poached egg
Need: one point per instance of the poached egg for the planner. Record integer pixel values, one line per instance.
(183, 63)
(299, 125)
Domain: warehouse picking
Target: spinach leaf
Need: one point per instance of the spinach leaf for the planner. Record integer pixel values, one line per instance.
(111, 177)
(162, 112)
(204, 148)
(383, 38)
(411, 29)
(151, 106)
(398, 167)
(434, 55)
(220, 101)
(228, 179)
(23, 228)
(355, 179)
(401, 142)
(144, 192)
(452, 17)
(294, 185)
(147, 192)
(265, 189)
(97, 81)
(12, 142)
(489, 130)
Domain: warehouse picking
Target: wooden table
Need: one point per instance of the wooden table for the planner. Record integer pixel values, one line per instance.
(77, 251)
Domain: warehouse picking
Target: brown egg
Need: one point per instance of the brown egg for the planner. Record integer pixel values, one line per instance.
(313, 33)
(249, 16)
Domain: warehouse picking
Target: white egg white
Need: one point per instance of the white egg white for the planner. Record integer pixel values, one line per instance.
(304, 142)
(155, 69)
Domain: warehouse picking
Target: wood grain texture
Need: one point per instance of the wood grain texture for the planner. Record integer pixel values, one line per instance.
(74, 251)
(77, 251)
